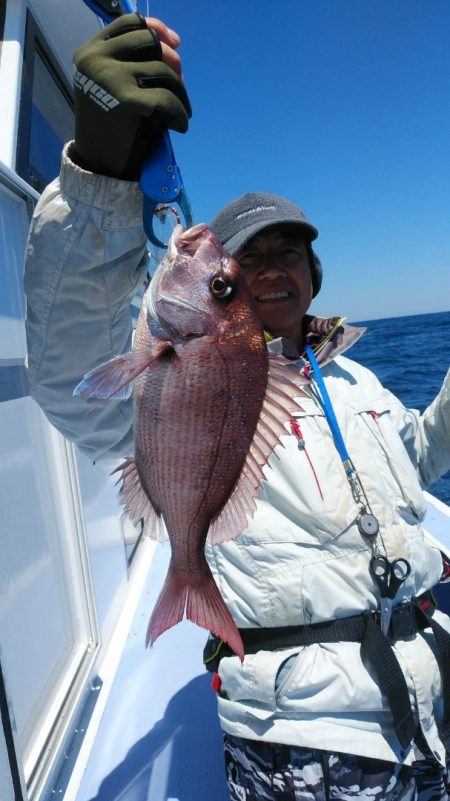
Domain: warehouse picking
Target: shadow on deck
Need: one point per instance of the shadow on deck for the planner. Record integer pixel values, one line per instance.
(180, 757)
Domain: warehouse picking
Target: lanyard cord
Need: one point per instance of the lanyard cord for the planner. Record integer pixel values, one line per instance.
(353, 478)
(327, 407)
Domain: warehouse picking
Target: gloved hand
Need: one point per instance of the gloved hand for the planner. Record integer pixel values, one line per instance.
(125, 95)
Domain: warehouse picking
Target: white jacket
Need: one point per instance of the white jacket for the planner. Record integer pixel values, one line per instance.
(302, 558)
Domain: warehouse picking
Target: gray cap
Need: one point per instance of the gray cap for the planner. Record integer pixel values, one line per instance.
(244, 217)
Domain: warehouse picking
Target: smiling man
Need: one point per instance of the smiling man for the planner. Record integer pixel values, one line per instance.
(270, 238)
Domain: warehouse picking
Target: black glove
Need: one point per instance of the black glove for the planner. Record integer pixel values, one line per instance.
(124, 97)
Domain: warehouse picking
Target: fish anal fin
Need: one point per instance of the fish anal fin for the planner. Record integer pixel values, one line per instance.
(137, 503)
(114, 378)
(195, 596)
(285, 388)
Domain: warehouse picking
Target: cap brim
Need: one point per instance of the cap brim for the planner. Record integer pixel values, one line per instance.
(236, 242)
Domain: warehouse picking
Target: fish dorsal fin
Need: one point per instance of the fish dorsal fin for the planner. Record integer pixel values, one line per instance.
(283, 393)
(137, 503)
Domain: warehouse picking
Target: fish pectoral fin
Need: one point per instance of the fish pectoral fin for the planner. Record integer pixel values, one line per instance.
(114, 379)
(284, 389)
(136, 502)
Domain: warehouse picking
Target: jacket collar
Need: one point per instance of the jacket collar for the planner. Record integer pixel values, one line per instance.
(328, 337)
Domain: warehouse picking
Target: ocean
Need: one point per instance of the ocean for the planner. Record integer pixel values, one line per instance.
(410, 355)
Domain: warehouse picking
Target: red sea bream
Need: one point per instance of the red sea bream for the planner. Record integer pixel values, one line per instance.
(210, 406)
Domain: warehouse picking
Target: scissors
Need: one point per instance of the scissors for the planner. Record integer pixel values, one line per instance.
(160, 180)
(389, 576)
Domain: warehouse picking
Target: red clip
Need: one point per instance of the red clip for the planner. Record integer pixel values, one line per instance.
(296, 428)
(216, 683)
(374, 414)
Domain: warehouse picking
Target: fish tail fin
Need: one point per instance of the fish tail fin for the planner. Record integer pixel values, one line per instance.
(169, 607)
(206, 607)
(198, 598)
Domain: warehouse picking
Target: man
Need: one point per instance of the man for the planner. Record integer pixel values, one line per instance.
(329, 700)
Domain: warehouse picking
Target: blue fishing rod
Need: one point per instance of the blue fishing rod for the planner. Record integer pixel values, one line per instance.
(160, 179)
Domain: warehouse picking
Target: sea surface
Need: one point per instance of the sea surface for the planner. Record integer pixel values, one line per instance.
(410, 356)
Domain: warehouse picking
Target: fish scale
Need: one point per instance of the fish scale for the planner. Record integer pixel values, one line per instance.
(200, 442)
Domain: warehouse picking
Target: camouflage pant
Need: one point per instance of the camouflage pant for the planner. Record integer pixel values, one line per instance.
(258, 771)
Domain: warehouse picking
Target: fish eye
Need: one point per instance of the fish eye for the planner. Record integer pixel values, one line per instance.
(220, 287)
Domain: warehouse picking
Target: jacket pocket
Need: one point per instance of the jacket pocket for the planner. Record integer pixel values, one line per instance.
(307, 482)
(252, 682)
(329, 680)
(395, 465)
(293, 667)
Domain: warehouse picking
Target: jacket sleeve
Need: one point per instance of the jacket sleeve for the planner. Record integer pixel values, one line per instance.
(86, 256)
(427, 436)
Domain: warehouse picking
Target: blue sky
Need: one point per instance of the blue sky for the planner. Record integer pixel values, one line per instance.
(342, 106)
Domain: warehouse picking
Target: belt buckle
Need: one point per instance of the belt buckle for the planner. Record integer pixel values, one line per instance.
(403, 622)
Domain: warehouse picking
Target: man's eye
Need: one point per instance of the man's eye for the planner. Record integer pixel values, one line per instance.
(248, 258)
(293, 253)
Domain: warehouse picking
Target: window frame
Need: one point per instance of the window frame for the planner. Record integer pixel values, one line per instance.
(35, 43)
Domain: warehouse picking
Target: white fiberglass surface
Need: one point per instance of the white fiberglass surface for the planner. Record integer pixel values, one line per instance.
(44, 621)
(107, 555)
(13, 233)
(437, 521)
(10, 79)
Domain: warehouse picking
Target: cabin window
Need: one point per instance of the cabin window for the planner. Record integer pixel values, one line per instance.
(46, 118)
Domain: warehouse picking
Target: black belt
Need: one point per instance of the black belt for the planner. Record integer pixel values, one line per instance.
(407, 619)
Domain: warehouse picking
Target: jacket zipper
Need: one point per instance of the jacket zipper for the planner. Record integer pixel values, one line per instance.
(296, 430)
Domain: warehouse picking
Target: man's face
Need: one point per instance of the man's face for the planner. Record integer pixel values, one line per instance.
(276, 266)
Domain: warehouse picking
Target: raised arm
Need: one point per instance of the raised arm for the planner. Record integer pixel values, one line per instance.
(87, 251)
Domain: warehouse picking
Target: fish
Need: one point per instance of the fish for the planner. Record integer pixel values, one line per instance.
(210, 405)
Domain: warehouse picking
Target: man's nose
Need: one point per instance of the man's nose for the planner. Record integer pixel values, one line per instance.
(271, 270)
(271, 267)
